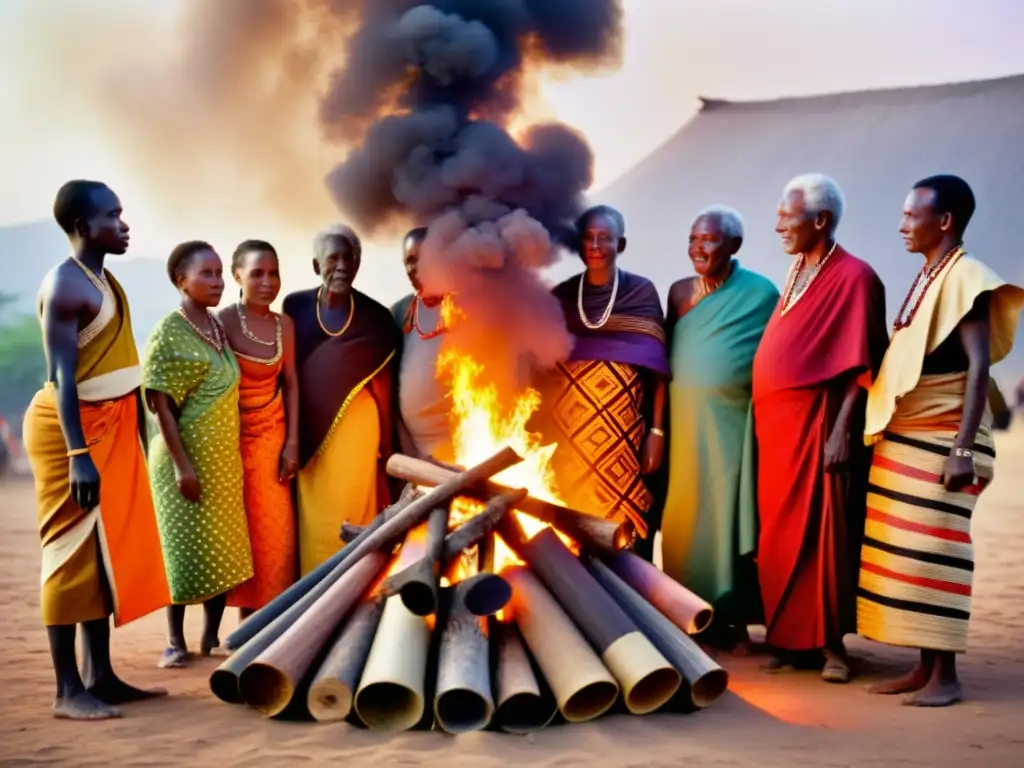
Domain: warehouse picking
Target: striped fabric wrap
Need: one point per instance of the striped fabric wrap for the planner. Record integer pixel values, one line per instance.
(917, 560)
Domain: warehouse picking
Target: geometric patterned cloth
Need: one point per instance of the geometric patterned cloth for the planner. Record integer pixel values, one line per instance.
(596, 417)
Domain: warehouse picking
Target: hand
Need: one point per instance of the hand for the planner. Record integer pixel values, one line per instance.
(958, 471)
(653, 453)
(289, 464)
(85, 482)
(188, 484)
(837, 451)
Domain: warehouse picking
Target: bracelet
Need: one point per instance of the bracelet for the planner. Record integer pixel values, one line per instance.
(77, 452)
(657, 431)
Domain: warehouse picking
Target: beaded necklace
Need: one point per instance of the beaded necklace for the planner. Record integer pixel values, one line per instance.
(216, 337)
(440, 328)
(792, 296)
(924, 281)
(707, 286)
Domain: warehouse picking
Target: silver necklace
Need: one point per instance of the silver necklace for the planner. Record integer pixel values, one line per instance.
(607, 310)
(252, 336)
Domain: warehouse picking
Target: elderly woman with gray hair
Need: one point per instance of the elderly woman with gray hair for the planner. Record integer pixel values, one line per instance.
(344, 346)
(709, 523)
(820, 351)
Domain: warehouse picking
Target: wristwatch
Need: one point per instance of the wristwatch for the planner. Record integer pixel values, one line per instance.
(963, 453)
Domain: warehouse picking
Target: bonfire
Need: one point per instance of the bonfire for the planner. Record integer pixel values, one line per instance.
(476, 601)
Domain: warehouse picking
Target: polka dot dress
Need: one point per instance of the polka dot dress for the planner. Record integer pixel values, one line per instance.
(205, 545)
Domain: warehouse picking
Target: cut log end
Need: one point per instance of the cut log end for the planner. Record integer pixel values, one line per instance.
(224, 685)
(706, 690)
(701, 621)
(266, 689)
(329, 701)
(487, 594)
(590, 701)
(420, 598)
(623, 539)
(648, 681)
(525, 713)
(461, 710)
(389, 707)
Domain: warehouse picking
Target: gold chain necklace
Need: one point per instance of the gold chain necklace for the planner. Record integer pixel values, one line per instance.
(252, 336)
(215, 337)
(792, 296)
(351, 314)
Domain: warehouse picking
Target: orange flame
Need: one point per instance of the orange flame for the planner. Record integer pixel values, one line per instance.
(482, 426)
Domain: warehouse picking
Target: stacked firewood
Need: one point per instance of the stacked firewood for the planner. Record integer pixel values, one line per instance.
(414, 624)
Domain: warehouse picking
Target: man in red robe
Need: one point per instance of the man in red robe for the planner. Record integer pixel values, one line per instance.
(818, 354)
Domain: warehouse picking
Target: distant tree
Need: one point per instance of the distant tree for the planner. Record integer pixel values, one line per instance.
(22, 363)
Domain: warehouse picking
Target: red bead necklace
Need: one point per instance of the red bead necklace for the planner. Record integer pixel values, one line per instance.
(413, 321)
(928, 275)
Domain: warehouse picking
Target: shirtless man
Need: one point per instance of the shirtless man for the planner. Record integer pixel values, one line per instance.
(423, 426)
(82, 429)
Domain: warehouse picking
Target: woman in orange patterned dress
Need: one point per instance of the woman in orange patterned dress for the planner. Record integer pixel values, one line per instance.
(264, 343)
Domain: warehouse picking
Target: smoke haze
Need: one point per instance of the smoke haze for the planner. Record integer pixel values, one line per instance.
(428, 91)
(394, 112)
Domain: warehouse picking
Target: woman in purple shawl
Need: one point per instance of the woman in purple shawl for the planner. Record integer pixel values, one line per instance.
(605, 406)
(345, 343)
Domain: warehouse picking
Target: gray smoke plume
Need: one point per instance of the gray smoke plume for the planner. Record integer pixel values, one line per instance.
(242, 111)
(428, 89)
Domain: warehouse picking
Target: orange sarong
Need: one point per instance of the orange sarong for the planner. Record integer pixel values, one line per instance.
(112, 553)
(268, 502)
(122, 530)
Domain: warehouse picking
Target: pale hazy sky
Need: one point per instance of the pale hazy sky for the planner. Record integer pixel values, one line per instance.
(675, 51)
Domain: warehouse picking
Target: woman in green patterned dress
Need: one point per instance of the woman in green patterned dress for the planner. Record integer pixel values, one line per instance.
(190, 376)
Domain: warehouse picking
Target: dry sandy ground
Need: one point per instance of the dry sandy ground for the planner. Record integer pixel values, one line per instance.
(764, 721)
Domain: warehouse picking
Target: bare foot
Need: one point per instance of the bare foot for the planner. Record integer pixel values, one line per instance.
(914, 680)
(173, 658)
(836, 669)
(935, 694)
(748, 647)
(777, 665)
(82, 706)
(114, 690)
(742, 651)
(208, 644)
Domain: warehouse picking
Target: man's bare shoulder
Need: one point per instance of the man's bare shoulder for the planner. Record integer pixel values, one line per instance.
(680, 291)
(65, 288)
(684, 285)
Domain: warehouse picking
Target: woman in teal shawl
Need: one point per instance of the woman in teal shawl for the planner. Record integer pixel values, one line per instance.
(715, 323)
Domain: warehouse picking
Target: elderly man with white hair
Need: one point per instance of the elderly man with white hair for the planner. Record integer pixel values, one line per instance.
(820, 351)
(715, 322)
(345, 344)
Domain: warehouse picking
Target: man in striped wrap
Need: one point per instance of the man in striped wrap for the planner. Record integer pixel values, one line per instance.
(928, 418)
